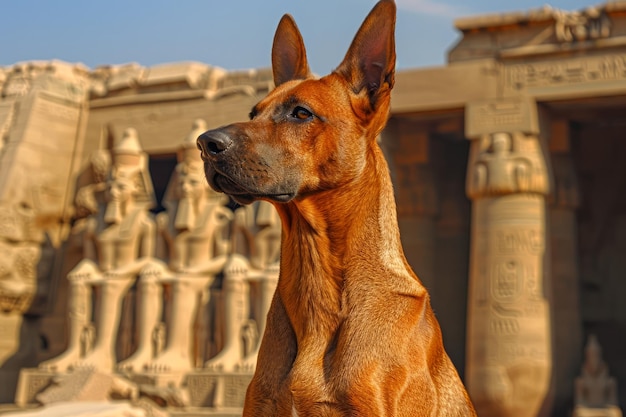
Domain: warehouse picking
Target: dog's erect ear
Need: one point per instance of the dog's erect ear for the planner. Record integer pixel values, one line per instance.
(288, 53)
(370, 61)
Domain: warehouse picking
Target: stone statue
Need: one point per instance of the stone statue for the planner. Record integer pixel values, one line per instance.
(235, 315)
(502, 169)
(118, 243)
(265, 281)
(595, 392)
(256, 235)
(191, 239)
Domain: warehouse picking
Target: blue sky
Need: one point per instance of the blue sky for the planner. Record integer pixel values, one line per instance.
(233, 34)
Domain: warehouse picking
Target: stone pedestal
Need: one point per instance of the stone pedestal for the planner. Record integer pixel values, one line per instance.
(609, 411)
(217, 390)
(508, 335)
(208, 391)
(157, 379)
(595, 390)
(32, 381)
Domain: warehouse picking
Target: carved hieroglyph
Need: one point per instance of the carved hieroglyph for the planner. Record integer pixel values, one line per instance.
(508, 334)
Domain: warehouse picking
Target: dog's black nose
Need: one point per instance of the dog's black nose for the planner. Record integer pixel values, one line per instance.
(214, 142)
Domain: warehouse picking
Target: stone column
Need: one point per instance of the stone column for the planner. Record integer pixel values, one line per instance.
(564, 202)
(509, 362)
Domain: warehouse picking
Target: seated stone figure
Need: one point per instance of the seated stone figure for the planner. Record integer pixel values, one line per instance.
(255, 263)
(118, 244)
(595, 391)
(191, 239)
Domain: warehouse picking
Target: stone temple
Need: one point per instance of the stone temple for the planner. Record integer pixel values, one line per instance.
(126, 283)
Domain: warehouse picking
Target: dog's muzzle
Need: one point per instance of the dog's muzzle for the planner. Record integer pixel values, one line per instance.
(213, 142)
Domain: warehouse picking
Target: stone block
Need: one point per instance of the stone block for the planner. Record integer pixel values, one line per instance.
(42, 387)
(83, 409)
(504, 115)
(609, 411)
(160, 379)
(189, 73)
(206, 412)
(211, 389)
(31, 382)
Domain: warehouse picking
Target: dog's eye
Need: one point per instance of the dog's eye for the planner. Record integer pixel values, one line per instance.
(301, 113)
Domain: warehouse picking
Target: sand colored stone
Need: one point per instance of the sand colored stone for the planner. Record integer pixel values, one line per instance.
(595, 391)
(191, 242)
(539, 94)
(84, 409)
(509, 350)
(87, 385)
(119, 243)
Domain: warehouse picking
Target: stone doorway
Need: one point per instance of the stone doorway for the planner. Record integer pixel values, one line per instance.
(596, 132)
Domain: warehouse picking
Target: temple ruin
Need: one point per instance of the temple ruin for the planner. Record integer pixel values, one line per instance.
(122, 268)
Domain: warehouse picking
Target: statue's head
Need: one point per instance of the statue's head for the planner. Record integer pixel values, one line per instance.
(129, 178)
(501, 143)
(123, 186)
(189, 181)
(593, 355)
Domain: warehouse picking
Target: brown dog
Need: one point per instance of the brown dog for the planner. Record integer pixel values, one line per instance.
(350, 331)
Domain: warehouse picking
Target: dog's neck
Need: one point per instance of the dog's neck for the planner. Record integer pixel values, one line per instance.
(332, 235)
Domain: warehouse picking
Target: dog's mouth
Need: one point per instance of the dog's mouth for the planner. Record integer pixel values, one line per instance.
(224, 184)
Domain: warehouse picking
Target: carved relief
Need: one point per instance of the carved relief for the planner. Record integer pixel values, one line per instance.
(192, 251)
(507, 281)
(508, 338)
(7, 113)
(588, 24)
(174, 265)
(118, 244)
(505, 163)
(486, 118)
(18, 83)
(519, 77)
(509, 327)
(520, 240)
(54, 77)
(185, 266)
(20, 243)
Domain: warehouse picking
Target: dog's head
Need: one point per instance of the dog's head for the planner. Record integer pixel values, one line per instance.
(308, 135)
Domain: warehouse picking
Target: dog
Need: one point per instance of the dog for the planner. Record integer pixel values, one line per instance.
(350, 331)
